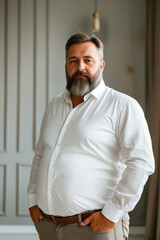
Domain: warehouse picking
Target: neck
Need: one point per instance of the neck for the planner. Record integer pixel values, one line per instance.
(76, 100)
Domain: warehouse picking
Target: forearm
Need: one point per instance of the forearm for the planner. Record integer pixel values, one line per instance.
(128, 191)
(33, 180)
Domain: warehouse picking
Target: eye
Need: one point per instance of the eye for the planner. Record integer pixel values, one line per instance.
(73, 61)
(89, 61)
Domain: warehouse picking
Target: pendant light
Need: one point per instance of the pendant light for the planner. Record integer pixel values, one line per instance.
(96, 20)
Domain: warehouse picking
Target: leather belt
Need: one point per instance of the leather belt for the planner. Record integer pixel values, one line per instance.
(69, 219)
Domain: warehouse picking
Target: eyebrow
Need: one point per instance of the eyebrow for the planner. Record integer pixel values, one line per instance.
(77, 57)
(71, 57)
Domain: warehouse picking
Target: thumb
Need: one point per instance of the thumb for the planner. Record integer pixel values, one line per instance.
(39, 214)
(87, 220)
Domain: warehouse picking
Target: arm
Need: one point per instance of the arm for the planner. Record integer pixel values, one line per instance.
(33, 208)
(32, 183)
(137, 156)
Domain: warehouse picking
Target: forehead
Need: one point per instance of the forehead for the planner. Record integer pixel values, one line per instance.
(82, 50)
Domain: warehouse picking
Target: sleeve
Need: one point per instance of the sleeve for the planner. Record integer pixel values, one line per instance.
(31, 190)
(137, 156)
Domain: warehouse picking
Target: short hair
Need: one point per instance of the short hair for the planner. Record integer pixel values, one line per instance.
(83, 38)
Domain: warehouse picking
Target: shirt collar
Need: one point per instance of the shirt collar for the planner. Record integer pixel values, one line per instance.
(97, 92)
(67, 96)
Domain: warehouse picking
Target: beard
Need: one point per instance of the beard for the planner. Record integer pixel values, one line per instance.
(85, 84)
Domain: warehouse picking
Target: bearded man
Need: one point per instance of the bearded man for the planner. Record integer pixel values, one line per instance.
(93, 157)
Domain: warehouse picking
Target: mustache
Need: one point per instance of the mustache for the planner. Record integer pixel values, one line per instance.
(80, 73)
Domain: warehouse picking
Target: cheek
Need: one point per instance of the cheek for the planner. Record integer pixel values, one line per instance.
(92, 72)
(70, 71)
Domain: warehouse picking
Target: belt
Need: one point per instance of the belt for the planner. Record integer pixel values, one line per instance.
(69, 219)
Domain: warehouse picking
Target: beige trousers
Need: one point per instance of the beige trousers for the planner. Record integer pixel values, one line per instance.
(49, 230)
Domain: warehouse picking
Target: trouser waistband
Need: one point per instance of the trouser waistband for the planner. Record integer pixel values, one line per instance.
(70, 219)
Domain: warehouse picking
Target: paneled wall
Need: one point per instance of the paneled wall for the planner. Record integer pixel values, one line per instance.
(32, 70)
(24, 94)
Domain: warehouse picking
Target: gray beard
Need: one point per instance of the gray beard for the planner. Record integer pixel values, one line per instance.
(80, 90)
(80, 87)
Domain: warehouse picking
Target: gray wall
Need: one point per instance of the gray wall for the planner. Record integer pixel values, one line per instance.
(32, 38)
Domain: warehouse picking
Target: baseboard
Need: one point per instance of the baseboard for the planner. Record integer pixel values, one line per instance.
(136, 233)
(19, 232)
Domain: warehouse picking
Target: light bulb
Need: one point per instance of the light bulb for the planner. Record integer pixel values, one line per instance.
(96, 22)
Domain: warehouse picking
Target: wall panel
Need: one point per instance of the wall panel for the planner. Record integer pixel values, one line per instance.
(3, 80)
(40, 63)
(12, 70)
(26, 75)
(23, 173)
(2, 190)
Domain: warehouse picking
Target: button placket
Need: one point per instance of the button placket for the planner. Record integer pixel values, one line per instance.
(56, 152)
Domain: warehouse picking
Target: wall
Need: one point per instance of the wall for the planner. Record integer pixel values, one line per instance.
(32, 38)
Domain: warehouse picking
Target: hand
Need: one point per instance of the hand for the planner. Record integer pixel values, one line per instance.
(36, 214)
(99, 222)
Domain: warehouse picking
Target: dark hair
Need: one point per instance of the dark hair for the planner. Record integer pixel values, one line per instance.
(82, 38)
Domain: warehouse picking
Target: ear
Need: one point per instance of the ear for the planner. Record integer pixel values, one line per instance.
(102, 65)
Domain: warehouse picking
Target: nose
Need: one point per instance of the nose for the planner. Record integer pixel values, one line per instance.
(81, 66)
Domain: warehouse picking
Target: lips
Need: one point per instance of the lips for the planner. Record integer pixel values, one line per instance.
(80, 76)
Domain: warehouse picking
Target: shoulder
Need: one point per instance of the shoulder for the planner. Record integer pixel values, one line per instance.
(54, 105)
(121, 100)
(56, 100)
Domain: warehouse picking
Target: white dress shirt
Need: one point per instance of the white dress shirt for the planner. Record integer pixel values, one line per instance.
(97, 155)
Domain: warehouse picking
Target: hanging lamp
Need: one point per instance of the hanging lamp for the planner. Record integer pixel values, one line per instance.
(96, 20)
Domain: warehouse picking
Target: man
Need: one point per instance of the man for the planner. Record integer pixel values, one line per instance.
(93, 157)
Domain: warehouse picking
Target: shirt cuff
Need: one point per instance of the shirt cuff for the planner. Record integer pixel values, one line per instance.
(32, 200)
(112, 213)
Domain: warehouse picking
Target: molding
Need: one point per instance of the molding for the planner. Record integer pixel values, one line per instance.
(5, 74)
(18, 78)
(47, 52)
(3, 193)
(22, 204)
(34, 72)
